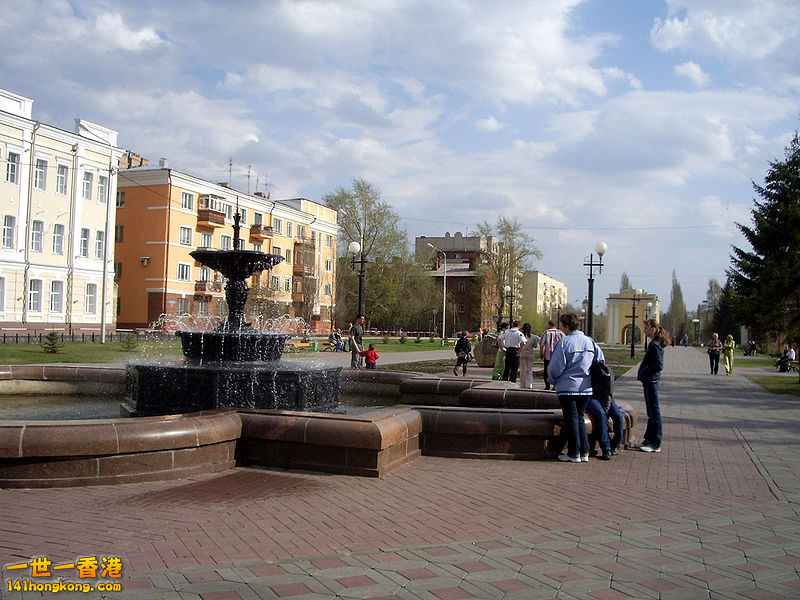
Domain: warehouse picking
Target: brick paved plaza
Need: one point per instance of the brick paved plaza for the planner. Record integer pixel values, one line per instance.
(714, 515)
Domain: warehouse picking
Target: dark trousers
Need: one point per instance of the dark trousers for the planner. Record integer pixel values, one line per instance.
(512, 364)
(652, 434)
(546, 382)
(573, 408)
(713, 359)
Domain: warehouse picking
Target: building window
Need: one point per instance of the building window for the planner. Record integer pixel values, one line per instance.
(35, 295)
(62, 173)
(289, 228)
(228, 210)
(243, 212)
(88, 180)
(91, 298)
(202, 309)
(187, 200)
(40, 174)
(287, 284)
(225, 242)
(301, 231)
(206, 240)
(329, 290)
(328, 265)
(257, 219)
(275, 282)
(288, 256)
(462, 286)
(184, 272)
(120, 198)
(12, 168)
(117, 270)
(185, 236)
(56, 296)
(277, 226)
(37, 234)
(328, 241)
(119, 231)
(257, 247)
(99, 243)
(84, 248)
(9, 225)
(102, 188)
(182, 306)
(205, 274)
(277, 250)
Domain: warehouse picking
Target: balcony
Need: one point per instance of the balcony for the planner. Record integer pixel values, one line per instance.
(208, 217)
(207, 287)
(302, 270)
(298, 297)
(261, 232)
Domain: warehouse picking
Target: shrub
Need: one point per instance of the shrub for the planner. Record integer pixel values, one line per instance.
(403, 339)
(418, 340)
(130, 343)
(386, 339)
(51, 344)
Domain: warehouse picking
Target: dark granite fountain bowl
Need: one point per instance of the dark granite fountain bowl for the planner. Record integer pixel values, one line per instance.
(238, 347)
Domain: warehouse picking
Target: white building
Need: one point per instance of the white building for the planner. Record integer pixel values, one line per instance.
(57, 250)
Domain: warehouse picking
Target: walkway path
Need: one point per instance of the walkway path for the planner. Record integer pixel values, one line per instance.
(715, 515)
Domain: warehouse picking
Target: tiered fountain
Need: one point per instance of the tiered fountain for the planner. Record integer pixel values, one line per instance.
(234, 365)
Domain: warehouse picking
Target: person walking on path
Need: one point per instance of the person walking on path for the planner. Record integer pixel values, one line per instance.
(463, 350)
(568, 371)
(356, 338)
(727, 351)
(526, 358)
(500, 357)
(513, 341)
(714, 348)
(546, 344)
(650, 375)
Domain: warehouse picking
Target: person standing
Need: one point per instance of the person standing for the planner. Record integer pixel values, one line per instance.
(526, 358)
(356, 338)
(463, 350)
(568, 371)
(546, 344)
(650, 375)
(714, 348)
(370, 356)
(513, 341)
(500, 357)
(727, 352)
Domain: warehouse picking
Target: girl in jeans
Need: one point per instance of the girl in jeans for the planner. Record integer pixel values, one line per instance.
(650, 376)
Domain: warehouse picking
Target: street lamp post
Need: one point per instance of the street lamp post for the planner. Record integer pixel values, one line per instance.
(444, 289)
(583, 318)
(510, 295)
(648, 312)
(355, 248)
(696, 330)
(637, 296)
(594, 267)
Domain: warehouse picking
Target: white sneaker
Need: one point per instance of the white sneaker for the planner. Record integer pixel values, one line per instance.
(584, 458)
(568, 458)
(648, 448)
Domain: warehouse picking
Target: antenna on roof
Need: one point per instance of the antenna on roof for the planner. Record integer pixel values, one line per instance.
(230, 168)
(248, 179)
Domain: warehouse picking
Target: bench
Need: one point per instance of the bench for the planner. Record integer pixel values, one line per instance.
(296, 347)
(328, 347)
(793, 366)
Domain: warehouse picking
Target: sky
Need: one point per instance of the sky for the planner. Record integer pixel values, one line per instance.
(639, 123)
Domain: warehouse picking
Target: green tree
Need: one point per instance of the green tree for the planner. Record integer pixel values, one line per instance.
(508, 252)
(364, 218)
(624, 282)
(724, 322)
(766, 279)
(714, 292)
(675, 319)
(51, 343)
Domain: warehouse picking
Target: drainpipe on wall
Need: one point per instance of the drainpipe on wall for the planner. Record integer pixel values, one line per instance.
(71, 240)
(106, 242)
(166, 238)
(26, 241)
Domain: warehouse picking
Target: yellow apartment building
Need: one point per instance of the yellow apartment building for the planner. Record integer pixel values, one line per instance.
(56, 206)
(164, 214)
(548, 295)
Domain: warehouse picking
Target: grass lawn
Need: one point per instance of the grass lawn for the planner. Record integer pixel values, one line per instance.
(755, 361)
(785, 386)
(78, 352)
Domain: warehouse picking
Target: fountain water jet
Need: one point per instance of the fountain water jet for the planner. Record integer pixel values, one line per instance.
(234, 365)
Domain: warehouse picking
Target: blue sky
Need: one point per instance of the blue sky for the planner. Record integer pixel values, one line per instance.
(640, 123)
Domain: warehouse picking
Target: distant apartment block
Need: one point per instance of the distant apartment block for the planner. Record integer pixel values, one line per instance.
(57, 189)
(548, 295)
(164, 214)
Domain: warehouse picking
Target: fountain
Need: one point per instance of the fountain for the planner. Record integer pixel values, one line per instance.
(234, 365)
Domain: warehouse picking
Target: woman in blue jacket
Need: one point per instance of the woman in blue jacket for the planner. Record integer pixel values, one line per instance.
(650, 375)
(568, 370)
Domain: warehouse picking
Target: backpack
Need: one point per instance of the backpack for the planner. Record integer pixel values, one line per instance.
(602, 382)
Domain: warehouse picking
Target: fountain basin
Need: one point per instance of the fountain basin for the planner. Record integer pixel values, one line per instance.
(181, 386)
(242, 346)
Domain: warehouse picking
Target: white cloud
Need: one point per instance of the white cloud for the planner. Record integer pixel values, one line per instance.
(694, 72)
(111, 32)
(489, 125)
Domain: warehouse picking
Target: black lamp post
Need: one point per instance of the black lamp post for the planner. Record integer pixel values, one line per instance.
(355, 248)
(637, 296)
(648, 312)
(696, 330)
(510, 297)
(594, 267)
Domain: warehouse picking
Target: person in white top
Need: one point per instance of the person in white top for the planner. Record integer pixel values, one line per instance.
(792, 354)
(513, 341)
(526, 358)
